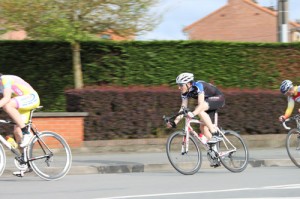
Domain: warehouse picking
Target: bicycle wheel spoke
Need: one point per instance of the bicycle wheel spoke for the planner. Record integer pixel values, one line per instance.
(186, 160)
(51, 157)
(233, 152)
(293, 146)
(232, 161)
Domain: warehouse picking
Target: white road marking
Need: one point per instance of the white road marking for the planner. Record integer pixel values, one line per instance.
(289, 186)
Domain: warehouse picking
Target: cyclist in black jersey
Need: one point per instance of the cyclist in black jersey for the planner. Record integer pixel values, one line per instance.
(209, 100)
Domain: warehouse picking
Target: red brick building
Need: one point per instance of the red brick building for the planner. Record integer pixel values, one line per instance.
(240, 20)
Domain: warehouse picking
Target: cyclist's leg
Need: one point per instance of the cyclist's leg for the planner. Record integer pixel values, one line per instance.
(25, 104)
(11, 108)
(214, 104)
(18, 134)
(205, 130)
(206, 119)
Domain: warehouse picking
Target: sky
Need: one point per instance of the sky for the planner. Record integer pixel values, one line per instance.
(177, 14)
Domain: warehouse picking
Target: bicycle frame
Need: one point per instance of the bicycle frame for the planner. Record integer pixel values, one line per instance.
(188, 129)
(35, 133)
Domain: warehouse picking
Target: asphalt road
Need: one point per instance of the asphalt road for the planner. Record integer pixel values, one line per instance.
(254, 182)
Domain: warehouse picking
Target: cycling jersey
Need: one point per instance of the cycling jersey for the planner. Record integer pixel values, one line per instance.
(18, 86)
(25, 96)
(200, 87)
(213, 96)
(291, 102)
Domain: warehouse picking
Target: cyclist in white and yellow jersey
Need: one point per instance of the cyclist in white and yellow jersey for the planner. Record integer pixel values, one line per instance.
(17, 101)
(293, 95)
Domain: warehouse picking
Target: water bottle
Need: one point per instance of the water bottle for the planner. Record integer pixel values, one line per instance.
(12, 142)
(202, 138)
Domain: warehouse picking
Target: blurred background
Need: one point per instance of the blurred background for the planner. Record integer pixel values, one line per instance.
(118, 60)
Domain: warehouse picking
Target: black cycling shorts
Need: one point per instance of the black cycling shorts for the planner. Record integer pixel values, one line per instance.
(214, 104)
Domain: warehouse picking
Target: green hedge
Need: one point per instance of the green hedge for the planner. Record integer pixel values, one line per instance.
(48, 65)
(239, 65)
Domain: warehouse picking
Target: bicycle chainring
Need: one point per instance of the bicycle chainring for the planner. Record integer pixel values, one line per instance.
(21, 165)
(212, 156)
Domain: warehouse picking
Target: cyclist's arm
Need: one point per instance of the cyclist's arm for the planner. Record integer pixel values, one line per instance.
(201, 100)
(290, 108)
(6, 96)
(184, 104)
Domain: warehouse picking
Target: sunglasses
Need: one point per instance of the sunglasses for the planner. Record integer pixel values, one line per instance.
(180, 85)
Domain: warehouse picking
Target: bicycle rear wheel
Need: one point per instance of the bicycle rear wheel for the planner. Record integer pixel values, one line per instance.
(49, 156)
(233, 152)
(185, 162)
(2, 159)
(293, 146)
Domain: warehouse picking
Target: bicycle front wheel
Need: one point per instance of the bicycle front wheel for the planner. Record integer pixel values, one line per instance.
(233, 152)
(2, 159)
(49, 156)
(293, 146)
(185, 159)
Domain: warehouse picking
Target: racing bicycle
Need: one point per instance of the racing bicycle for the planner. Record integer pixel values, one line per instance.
(47, 154)
(293, 139)
(184, 152)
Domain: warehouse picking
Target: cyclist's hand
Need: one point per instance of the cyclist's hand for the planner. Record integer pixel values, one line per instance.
(171, 124)
(299, 110)
(282, 118)
(190, 114)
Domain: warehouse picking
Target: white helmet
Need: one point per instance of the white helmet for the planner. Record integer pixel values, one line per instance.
(285, 86)
(184, 78)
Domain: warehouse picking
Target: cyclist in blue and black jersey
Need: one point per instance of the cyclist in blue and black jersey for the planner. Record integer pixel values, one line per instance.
(209, 99)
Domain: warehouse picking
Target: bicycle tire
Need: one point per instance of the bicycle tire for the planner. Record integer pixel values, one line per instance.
(185, 163)
(293, 146)
(235, 161)
(2, 159)
(54, 167)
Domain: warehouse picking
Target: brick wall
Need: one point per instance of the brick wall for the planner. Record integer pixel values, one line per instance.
(69, 125)
(240, 20)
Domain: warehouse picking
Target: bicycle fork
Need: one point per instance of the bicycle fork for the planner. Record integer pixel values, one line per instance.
(184, 145)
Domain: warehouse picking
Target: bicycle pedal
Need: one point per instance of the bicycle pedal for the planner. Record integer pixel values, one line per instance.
(216, 164)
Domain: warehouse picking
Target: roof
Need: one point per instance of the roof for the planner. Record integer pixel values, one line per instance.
(266, 10)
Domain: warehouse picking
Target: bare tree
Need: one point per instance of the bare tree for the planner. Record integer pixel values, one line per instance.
(77, 20)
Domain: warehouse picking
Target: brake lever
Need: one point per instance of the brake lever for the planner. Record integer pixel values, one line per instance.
(168, 120)
(284, 124)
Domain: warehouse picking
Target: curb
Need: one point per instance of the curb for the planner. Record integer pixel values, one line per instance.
(159, 167)
(162, 167)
